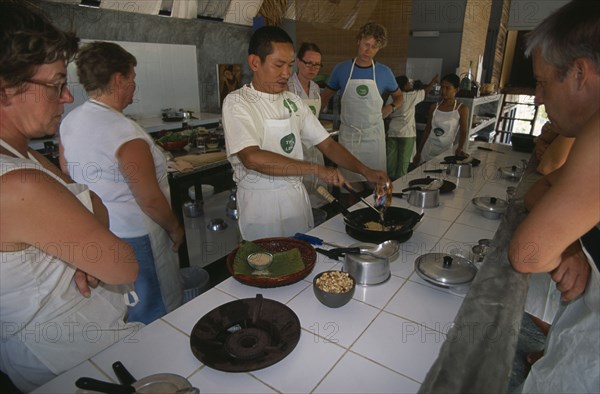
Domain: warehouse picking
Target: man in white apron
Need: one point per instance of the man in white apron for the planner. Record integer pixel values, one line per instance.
(568, 76)
(265, 126)
(363, 82)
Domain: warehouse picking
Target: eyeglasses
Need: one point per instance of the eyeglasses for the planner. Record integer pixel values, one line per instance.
(58, 86)
(311, 64)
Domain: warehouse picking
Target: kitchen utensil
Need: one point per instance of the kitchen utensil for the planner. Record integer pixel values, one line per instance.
(231, 210)
(245, 335)
(157, 383)
(435, 184)
(445, 270)
(367, 269)
(216, 224)
(329, 197)
(512, 172)
(332, 298)
(461, 160)
(436, 171)
(387, 250)
(357, 195)
(192, 209)
(459, 170)
(383, 196)
(399, 224)
(489, 149)
(424, 198)
(490, 207)
(446, 187)
(275, 245)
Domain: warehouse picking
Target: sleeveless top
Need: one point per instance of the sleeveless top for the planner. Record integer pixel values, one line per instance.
(40, 305)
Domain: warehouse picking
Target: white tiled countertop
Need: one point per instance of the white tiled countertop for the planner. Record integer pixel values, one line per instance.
(383, 341)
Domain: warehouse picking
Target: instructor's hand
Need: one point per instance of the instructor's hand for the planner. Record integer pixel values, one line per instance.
(376, 176)
(331, 176)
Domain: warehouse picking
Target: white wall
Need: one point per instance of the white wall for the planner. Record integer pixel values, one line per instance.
(166, 77)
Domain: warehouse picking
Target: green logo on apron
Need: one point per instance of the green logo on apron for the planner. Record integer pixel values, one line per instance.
(313, 109)
(438, 132)
(288, 142)
(362, 90)
(290, 105)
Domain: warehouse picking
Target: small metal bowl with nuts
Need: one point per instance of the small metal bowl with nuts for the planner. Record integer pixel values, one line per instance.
(334, 288)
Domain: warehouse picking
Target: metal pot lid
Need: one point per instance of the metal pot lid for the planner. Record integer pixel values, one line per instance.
(512, 171)
(491, 204)
(444, 269)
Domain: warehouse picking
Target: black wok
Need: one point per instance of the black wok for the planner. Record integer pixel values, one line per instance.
(394, 216)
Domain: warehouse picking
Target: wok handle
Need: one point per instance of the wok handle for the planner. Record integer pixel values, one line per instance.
(329, 197)
(411, 188)
(438, 171)
(91, 384)
(124, 376)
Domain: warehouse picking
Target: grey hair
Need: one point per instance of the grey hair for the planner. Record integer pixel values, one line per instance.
(570, 33)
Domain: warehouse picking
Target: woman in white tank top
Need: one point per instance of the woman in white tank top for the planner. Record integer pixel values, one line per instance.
(52, 231)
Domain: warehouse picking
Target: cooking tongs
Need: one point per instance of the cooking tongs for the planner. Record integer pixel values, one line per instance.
(361, 198)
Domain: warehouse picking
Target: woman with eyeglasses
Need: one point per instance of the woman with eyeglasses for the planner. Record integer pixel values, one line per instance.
(308, 64)
(54, 239)
(362, 83)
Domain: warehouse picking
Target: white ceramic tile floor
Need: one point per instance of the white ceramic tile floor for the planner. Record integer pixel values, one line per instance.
(421, 304)
(304, 367)
(338, 325)
(282, 294)
(401, 345)
(145, 354)
(209, 381)
(373, 378)
(186, 317)
(380, 294)
(466, 234)
(68, 379)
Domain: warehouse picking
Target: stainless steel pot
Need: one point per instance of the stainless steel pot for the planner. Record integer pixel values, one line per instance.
(424, 198)
(367, 269)
(458, 170)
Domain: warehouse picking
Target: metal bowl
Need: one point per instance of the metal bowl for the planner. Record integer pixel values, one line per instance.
(216, 224)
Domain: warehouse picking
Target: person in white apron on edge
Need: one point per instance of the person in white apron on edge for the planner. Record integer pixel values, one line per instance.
(265, 126)
(116, 158)
(363, 83)
(55, 243)
(560, 234)
(447, 124)
(308, 64)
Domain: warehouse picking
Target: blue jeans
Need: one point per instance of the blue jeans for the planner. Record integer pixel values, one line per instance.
(151, 305)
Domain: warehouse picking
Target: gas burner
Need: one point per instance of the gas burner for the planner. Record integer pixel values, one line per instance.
(247, 343)
(245, 335)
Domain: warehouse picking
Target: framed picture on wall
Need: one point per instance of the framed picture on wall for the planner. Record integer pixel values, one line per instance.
(229, 77)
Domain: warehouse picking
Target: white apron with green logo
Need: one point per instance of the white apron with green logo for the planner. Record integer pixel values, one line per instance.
(275, 206)
(444, 128)
(361, 129)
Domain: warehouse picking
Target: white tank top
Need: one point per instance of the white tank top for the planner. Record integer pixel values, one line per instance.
(40, 305)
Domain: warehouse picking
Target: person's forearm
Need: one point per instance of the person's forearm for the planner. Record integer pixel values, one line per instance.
(273, 164)
(158, 209)
(343, 158)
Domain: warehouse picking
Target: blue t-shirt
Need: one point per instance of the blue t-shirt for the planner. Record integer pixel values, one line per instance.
(384, 76)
